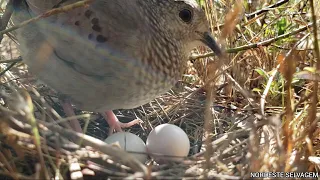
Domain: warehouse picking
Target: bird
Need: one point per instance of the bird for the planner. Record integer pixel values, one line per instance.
(111, 54)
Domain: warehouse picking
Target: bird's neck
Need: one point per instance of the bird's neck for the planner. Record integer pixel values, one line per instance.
(164, 54)
(162, 50)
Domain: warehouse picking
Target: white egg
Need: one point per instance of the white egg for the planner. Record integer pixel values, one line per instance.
(130, 143)
(168, 140)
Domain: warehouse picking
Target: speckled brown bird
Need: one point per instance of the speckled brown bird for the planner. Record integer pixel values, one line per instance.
(111, 54)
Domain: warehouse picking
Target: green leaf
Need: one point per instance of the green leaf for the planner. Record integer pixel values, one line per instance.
(256, 90)
(282, 26)
(262, 73)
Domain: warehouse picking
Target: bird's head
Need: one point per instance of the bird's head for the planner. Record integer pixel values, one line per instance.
(187, 21)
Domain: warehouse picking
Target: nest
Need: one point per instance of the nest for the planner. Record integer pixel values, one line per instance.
(33, 137)
(34, 143)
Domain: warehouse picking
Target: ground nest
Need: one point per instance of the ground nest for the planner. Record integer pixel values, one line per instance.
(92, 159)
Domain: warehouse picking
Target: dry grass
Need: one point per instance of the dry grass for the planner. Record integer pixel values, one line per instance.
(255, 110)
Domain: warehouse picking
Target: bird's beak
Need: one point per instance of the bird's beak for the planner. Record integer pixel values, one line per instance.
(208, 40)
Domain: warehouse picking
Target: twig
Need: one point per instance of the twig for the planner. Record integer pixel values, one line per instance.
(28, 111)
(266, 9)
(312, 112)
(6, 17)
(244, 92)
(47, 14)
(16, 174)
(100, 145)
(16, 60)
(208, 129)
(7, 68)
(97, 167)
(255, 45)
(213, 175)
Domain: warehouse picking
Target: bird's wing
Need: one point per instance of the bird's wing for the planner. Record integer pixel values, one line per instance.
(94, 40)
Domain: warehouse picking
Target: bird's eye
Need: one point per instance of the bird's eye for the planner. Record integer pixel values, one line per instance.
(185, 15)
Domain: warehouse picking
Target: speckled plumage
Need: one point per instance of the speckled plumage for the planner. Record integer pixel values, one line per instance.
(112, 54)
